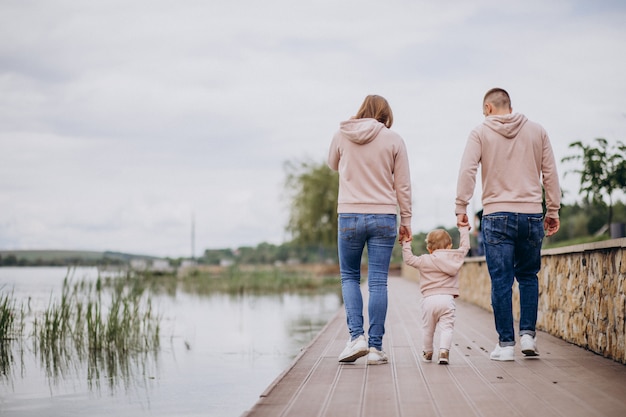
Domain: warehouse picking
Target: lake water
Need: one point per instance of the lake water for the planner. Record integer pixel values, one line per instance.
(217, 354)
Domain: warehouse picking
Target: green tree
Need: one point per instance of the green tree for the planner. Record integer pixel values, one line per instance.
(581, 220)
(312, 188)
(603, 171)
(215, 256)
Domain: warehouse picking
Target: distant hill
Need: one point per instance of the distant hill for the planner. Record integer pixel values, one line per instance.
(66, 257)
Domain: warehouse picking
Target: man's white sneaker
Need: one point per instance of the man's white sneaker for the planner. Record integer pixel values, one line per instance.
(503, 353)
(354, 350)
(376, 357)
(529, 345)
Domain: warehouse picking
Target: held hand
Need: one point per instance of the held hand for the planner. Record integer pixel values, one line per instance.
(551, 225)
(462, 220)
(405, 234)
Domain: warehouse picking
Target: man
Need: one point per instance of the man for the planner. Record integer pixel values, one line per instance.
(516, 160)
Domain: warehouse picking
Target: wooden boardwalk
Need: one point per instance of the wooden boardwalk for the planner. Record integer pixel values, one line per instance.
(565, 380)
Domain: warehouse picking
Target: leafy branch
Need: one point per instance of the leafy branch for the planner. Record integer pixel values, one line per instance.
(603, 170)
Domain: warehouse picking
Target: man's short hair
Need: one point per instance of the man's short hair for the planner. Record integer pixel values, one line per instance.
(498, 97)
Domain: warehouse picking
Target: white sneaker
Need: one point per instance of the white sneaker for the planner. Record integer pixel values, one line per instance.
(503, 353)
(444, 356)
(354, 350)
(529, 345)
(376, 357)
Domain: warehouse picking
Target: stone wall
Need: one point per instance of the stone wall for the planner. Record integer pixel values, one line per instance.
(582, 294)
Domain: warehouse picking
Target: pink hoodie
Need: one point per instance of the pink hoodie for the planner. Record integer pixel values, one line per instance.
(439, 270)
(373, 167)
(516, 158)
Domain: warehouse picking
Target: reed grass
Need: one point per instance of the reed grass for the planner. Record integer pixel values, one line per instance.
(11, 330)
(11, 317)
(6, 316)
(125, 323)
(111, 324)
(234, 280)
(89, 323)
(113, 328)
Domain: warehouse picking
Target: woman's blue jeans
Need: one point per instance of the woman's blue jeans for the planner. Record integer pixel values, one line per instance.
(378, 232)
(513, 251)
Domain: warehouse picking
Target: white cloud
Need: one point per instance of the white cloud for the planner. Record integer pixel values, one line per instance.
(119, 121)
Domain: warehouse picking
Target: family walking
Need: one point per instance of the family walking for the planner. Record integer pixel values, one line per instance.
(517, 167)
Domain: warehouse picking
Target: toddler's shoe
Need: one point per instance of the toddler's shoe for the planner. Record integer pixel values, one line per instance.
(500, 353)
(444, 356)
(354, 350)
(427, 356)
(376, 357)
(529, 345)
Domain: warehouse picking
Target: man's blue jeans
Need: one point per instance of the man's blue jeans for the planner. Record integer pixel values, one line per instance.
(378, 232)
(513, 251)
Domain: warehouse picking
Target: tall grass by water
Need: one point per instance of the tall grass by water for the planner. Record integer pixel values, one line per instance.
(11, 317)
(109, 325)
(116, 313)
(259, 280)
(11, 329)
(125, 322)
(108, 329)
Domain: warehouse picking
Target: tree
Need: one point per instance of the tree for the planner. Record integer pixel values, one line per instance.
(313, 189)
(603, 171)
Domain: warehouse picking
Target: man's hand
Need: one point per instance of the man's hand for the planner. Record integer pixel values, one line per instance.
(551, 225)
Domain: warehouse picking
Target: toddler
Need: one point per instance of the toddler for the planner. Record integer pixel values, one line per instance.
(439, 284)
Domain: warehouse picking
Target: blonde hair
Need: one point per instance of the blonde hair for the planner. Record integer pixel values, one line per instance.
(438, 239)
(498, 97)
(376, 107)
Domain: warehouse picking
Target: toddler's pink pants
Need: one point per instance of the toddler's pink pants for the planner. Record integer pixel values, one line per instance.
(439, 309)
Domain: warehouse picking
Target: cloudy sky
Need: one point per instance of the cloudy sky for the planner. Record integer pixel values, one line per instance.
(122, 122)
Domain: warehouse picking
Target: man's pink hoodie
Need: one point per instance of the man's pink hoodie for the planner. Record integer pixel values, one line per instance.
(516, 159)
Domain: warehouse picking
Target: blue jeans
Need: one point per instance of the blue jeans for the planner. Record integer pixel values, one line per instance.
(378, 232)
(513, 251)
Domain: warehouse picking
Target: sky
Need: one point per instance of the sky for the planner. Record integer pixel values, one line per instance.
(162, 127)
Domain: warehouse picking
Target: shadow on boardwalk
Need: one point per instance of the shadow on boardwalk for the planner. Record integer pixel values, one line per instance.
(565, 380)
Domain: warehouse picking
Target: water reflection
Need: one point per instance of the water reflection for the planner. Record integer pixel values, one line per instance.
(121, 370)
(6, 360)
(217, 351)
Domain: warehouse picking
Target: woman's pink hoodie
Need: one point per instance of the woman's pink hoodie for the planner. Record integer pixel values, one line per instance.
(373, 165)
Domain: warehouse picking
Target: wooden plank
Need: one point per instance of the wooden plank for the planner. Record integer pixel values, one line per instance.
(414, 395)
(348, 391)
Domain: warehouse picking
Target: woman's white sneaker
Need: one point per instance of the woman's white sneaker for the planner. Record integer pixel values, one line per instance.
(354, 350)
(376, 357)
(503, 353)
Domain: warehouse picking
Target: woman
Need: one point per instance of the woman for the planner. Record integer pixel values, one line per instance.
(374, 180)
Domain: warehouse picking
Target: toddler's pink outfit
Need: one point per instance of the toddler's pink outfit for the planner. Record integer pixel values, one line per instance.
(439, 284)
(438, 309)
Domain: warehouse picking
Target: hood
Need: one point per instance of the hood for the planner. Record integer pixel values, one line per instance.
(360, 131)
(449, 265)
(508, 125)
